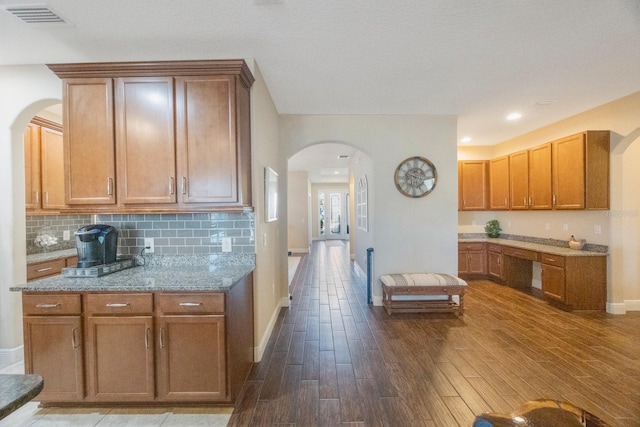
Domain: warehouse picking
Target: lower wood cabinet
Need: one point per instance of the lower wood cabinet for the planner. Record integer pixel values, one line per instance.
(53, 345)
(494, 261)
(119, 347)
(191, 358)
(471, 259)
(152, 348)
(191, 347)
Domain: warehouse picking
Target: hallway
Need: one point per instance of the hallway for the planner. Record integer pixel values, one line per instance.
(334, 360)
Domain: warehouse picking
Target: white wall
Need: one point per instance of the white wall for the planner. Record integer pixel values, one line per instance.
(270, 276)
(408, 234)
(25, 91)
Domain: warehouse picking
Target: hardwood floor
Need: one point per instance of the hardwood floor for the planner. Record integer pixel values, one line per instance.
(332, 359)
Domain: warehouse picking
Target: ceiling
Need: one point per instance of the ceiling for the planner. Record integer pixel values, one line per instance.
(477, 59)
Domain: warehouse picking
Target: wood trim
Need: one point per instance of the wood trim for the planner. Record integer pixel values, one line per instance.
(39, 121)
(156, 68)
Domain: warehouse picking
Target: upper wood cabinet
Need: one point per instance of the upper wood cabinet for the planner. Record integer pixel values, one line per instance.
(44, 166)
(499, 183)
(473, 176)
(581, 171)
(145, 140)
(90, 162)
(212, 140)
(179, 132)
(519, 180)
(540, 183)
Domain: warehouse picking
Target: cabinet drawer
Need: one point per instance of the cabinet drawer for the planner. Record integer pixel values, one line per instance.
(470, 246)
(55, 304)
(119, 303)
(72, 261)
(492, 247)
(556, 260)
(46, 268)
(520, 253)
(190, 303)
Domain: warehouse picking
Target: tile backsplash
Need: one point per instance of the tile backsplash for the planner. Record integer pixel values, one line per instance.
(55, 225)
(183, 233)
(173, 234)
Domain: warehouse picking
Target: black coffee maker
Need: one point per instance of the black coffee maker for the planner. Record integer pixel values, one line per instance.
(97, 244)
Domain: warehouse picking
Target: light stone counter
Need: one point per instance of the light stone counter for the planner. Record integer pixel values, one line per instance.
(48, 256)
(537, 247)
(169, 274)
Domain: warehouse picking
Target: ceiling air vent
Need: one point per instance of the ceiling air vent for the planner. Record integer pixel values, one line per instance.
(35, 14)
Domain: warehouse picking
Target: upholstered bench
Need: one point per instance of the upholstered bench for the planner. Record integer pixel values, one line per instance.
(399, 292)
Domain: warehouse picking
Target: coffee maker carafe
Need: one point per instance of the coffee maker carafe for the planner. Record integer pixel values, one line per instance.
(97, 244)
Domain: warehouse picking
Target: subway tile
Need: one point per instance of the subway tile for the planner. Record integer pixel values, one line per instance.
(176, 241)
(160, 224)
(169, 233)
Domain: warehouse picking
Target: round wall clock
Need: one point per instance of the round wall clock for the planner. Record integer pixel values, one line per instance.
(415, 177)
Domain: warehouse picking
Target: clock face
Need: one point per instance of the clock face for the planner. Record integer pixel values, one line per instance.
(415, 177)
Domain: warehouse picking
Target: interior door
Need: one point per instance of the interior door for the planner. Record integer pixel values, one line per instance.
(332, 214)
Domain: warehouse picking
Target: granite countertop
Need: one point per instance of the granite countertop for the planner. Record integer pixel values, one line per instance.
(16, 390)
(169, 274)
(537, 247)
(48, 256)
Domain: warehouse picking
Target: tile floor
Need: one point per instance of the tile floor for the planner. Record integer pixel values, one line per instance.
(31, 415)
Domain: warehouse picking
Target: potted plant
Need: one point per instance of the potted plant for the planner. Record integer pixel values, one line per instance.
(493, 228)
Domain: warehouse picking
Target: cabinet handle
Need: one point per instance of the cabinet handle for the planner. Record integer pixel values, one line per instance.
(46, 197)
(553, 200)
(184, 185)
(74, 342)
(172, 185)
(190, 304)
(110, 186)
(499, 261)
(48, 305)
(40, 270)
(116, 304)
(530, 201)
(37, 196)
(505, 201)
(146, 338)
(549, 260)
(161, 337)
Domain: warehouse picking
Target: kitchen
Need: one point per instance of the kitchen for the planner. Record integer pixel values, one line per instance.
(277, 136)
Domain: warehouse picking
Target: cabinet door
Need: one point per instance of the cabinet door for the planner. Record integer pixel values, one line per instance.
(519, 180)
(553, 282)
(499, 183)
(52, 164)
(476, 263)
(120, 363)
(32, 166)
(145, 140)
(207, 147)
(569, 172)
(191, 358)
(89, 141)
(474, 185)
(540, 177)
(53, 349)
(494, 264)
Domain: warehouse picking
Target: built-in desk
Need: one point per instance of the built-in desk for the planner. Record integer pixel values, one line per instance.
(571, 279)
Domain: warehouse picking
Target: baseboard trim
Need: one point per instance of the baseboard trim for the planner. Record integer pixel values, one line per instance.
(9, 356)
(299, 250)
(632, 304)
(616, 308)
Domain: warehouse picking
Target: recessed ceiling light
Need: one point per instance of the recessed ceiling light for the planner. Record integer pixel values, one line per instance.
(465, 139)
(343, 156)
(514, 116)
